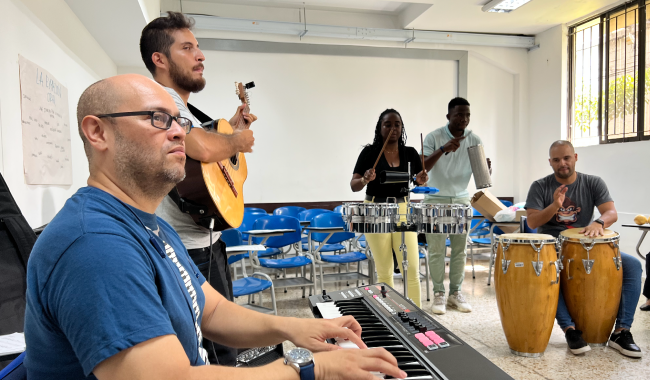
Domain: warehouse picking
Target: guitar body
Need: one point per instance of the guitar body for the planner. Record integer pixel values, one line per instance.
(222, 193)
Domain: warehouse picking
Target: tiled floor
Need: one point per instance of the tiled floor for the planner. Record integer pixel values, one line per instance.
(482, 330)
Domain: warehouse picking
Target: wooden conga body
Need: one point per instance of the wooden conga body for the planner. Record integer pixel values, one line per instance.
(527, 290)
(591, 282)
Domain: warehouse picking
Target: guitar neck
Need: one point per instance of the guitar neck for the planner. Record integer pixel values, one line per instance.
(241, 123)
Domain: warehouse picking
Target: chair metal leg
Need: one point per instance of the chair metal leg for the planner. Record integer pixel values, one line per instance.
(275, 307)
(322, 278)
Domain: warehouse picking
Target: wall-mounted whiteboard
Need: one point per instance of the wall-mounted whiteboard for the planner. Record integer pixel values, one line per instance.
(317, 111)
(45, 122)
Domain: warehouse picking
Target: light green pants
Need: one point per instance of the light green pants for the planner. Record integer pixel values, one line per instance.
(437, 249)
(382, 247)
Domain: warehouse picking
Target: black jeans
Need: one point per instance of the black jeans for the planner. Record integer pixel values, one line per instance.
(219, 278)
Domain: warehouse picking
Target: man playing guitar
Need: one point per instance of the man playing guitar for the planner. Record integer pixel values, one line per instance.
(172, 55)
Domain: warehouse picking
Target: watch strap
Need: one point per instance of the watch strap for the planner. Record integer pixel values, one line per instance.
(442, 149)
(307, 372)
(600, 221)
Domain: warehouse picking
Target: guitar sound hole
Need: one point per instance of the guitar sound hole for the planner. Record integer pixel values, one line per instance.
(233, 160)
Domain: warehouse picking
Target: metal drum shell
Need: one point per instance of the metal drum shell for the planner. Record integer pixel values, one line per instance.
(527, 303)
(592, 299)
(370, 218)
(440, 218)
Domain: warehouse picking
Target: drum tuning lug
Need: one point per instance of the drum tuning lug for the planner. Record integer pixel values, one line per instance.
(568, 269)
(504, 265)
(588, 264)
(557, 271)
(538, 265)
(617, 261)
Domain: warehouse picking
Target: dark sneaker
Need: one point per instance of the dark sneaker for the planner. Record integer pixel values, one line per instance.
(577, 345)
(624, 343)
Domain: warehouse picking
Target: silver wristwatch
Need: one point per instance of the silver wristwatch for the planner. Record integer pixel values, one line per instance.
(301, 360)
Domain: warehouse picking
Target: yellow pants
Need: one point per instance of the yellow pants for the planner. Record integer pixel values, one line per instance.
(382, 247)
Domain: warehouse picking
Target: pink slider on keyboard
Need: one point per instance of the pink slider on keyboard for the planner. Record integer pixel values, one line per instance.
(430, 334)
(426, 342)
(438, 340)
(419, 336)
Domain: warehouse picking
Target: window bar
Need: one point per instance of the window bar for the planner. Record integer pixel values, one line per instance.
(634, 93)
(606, 34)
(624, 72)
(600, 79)
(615, 72)
(641, 68)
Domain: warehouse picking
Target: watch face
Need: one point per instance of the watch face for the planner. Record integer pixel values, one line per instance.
(300, 356)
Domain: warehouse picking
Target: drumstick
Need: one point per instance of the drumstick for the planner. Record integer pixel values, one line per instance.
(422, 151)
(382, 149)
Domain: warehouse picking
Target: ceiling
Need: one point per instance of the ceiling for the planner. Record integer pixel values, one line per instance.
(441, 15)
(117, 24)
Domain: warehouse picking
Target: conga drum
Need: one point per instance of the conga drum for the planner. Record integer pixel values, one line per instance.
(526, 283)
(592, 282)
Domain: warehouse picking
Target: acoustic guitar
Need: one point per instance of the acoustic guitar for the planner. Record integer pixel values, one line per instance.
(216, 189)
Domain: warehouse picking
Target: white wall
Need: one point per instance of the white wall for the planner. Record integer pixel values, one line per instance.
(317, 111)
(497, 91)
(26, 34)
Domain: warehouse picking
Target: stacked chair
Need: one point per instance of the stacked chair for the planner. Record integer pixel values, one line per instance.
(249, 286)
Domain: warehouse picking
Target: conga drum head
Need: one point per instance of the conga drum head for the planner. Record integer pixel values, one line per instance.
(526, 238)
(573, 234)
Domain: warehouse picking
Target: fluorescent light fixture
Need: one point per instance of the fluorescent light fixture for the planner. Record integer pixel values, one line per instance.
(503, 6)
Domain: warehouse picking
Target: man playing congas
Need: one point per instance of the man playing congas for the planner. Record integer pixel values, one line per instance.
(566, 199)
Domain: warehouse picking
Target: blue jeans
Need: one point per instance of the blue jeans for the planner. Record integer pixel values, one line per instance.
(629, 296)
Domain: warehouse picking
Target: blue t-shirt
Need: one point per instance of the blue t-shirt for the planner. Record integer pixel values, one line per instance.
(99, 280)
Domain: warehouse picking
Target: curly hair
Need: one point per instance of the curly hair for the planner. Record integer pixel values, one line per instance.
(378, 141)
(156, 36)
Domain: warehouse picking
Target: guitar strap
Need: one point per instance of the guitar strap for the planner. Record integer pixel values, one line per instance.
(183, 204)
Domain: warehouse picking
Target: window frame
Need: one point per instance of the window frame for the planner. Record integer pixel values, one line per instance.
(641, 49)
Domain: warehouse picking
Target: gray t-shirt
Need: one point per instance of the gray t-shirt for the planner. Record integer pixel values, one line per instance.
(192, 235)
(587, 192)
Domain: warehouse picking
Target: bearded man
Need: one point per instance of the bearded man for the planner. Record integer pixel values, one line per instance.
(566, 199)
(171, 53)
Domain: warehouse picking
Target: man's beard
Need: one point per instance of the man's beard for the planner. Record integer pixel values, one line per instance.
(565, 176)
(183, 80)
(146, 173)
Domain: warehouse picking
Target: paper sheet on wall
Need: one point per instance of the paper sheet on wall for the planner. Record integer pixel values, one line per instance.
(46, 127)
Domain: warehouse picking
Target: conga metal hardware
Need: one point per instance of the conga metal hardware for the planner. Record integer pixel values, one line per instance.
(557, 271)
(505, 244)
(617, 260)
(537, 265)
(588, 264)
(568, 269)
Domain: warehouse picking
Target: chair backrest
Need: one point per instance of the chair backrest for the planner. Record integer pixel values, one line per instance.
(338, 209)
(308, 215)
(288, 211)
(475, 212)
(506, 203)
(254, 209)
(330, 219)
(248, 222)
(15, 370)
(231, 237)
(273, 222)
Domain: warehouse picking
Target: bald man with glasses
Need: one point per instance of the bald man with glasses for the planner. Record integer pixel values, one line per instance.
(112, 292)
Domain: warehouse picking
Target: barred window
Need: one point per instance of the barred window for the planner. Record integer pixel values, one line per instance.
(608, 93)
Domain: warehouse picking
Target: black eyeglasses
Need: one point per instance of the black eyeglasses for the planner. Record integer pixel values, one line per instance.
(159, 119)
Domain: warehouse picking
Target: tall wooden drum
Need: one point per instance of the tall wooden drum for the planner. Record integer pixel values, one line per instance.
(526, 283)
(591, 282)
